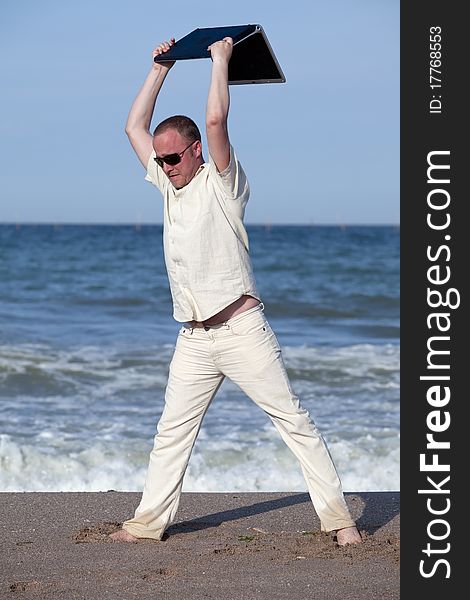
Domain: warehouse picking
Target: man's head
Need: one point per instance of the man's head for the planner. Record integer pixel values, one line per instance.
(178, 141)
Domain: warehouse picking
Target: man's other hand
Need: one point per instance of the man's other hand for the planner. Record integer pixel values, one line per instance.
(221, 50)
(161, 49)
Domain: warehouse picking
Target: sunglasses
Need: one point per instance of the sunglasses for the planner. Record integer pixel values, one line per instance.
(172, 159)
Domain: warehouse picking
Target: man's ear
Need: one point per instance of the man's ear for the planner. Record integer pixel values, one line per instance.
(198, 146)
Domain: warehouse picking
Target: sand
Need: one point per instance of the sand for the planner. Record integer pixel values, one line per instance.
(223, 546)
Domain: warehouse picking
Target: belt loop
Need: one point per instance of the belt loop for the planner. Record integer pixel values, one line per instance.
(191, 329)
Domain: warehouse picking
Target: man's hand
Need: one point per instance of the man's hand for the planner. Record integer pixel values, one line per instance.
(221, 50)
(161, 49)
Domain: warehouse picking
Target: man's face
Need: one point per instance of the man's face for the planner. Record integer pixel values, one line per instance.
(172, 142)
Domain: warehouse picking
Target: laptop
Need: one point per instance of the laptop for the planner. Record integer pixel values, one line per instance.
(252, 61)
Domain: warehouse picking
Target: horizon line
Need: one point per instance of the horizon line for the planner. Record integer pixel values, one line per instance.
(152, 224)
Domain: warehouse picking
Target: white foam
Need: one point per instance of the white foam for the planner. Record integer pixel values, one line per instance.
(98, 468)
(214, 467)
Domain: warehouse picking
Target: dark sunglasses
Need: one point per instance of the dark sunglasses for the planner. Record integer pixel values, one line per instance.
(172, 159)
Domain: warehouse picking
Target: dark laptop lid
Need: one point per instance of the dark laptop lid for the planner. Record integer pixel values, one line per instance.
(252, 61)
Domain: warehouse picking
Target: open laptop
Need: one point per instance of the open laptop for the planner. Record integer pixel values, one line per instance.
(252, 61)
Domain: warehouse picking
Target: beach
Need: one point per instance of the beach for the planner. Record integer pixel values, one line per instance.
(85, 346)
(238, 545)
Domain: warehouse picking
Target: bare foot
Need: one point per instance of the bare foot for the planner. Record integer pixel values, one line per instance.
(348, 535)
(122, 536)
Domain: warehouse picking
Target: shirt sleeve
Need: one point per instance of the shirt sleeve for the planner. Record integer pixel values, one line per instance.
(232, 180)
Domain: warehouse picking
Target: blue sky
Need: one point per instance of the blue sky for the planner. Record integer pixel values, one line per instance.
(322, 148)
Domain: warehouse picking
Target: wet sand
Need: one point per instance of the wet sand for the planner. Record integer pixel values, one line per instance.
(223, 546)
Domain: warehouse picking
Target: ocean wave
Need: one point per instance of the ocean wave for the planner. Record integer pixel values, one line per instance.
(83, 419)
(216, 466)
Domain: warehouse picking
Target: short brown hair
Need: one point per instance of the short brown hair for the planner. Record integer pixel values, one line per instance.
(183, 125)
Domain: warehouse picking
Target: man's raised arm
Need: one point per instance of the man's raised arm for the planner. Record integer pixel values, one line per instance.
(218, 104)
(140, 115)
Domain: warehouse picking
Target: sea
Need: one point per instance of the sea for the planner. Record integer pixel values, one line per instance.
(87, 334)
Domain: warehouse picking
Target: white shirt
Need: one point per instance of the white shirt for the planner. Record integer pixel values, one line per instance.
(204, 239)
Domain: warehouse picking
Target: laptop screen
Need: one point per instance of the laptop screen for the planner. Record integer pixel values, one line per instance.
(252, 61)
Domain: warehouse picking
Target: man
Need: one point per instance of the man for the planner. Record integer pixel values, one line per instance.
(224, 332)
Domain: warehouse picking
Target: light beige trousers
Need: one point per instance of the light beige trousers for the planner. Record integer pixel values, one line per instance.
(245, 350)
